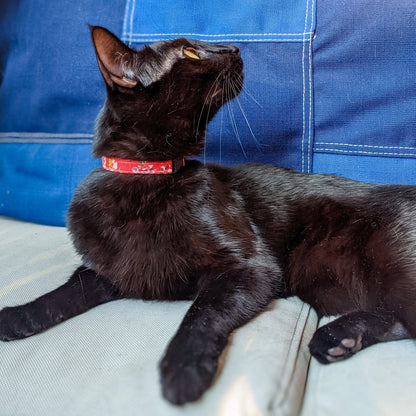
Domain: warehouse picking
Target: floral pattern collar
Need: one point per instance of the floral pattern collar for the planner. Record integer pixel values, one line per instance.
(134, 167)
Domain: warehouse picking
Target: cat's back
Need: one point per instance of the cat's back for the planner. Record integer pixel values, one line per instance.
(269, 180)
(277, 198)
(267, 183)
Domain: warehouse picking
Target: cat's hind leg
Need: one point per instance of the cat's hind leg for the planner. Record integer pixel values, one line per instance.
(352, 332)
(84, 290)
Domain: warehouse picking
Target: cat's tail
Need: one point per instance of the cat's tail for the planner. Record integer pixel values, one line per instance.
(84, 290)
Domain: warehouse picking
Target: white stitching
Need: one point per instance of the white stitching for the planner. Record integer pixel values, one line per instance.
(44, 141)
(356, 152)
(39, 134)
(132, 21)
(218, 35)
(46, 138)
(364, 145)
(126, 18)
(304, 92)
(229, 40)
(310, 88)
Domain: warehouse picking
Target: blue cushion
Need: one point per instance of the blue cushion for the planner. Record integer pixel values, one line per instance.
(364, 63)
(268, 122)
(329, 87)
(50, 94)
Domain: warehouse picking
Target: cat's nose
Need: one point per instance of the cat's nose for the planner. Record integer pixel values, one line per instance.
(224, 48)
(229, 49)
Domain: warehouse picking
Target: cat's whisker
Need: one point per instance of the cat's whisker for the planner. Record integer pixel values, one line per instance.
(245, 117)
(208, 96)
(232, 119)
(247, 92)
(248, 125)
(211, 96)
(206, 126)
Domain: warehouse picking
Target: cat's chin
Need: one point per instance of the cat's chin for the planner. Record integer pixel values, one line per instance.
(222, 93)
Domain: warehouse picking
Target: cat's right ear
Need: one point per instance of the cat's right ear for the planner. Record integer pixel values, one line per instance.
(115, 59)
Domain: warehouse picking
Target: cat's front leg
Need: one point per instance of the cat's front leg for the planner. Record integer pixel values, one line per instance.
(84, 290)
(353, 332)
(227, 301)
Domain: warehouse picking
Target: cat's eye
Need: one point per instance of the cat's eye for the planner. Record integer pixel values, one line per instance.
(191, 52)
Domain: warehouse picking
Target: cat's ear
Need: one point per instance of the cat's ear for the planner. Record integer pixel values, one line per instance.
(115, 59)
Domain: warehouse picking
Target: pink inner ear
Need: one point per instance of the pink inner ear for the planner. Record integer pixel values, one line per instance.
(113, 55)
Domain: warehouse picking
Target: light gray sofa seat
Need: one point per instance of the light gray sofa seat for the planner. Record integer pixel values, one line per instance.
(378, 381)
(105, 361)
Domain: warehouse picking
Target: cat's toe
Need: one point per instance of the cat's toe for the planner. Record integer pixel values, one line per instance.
(329, 346)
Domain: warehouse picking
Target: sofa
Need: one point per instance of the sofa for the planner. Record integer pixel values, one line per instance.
(330, 87)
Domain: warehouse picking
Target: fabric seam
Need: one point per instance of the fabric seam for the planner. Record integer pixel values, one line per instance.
(223, 34)
(299, 328)
(307, 112)
(364, 145)
(310, 151)
(45, 138)
(131, 37)
(241, 40)
(363, 152)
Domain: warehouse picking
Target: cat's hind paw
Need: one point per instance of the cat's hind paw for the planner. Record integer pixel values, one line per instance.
(329, 346)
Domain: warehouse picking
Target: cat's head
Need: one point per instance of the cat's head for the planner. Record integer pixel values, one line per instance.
(161, 98)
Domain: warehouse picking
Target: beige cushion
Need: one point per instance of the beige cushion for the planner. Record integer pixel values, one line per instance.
(378, 381)
(105, 361)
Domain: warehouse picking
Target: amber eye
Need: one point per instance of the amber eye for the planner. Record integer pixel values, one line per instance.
(191, 52)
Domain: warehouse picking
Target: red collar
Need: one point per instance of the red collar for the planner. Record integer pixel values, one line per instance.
(135, 167)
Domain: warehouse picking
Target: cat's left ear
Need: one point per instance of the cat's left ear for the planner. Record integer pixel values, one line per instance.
(115, 59)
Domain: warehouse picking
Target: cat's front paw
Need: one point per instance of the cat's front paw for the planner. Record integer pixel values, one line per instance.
(331, 344)
(187, 371)
(186, 381)
(15, 324)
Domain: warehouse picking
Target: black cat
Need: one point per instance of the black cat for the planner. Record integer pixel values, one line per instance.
(230, 238)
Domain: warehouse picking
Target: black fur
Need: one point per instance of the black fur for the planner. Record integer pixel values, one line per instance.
(230, 238)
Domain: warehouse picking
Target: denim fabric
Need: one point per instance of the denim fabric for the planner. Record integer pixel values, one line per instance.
(330, 86)
(364, 62)
(271, 121)
(219, 21)
(52, 90)
(50, 94)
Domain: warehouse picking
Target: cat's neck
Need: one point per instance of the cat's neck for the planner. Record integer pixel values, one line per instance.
(145, 138)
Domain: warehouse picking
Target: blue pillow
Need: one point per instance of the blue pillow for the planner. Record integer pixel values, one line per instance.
(364, 65)
(271, 120)
(52, 89)
(50, 95)
(329, 87)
